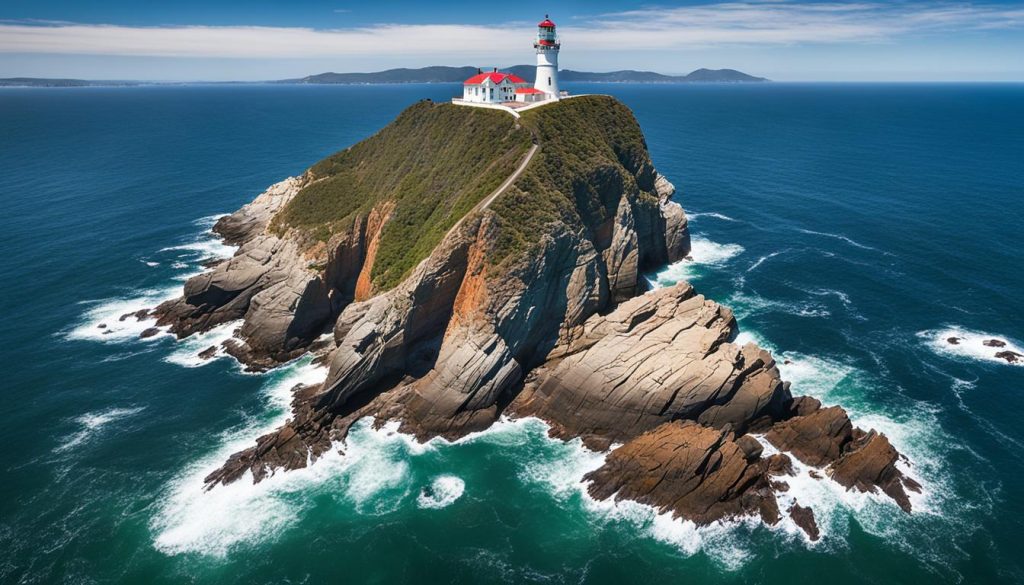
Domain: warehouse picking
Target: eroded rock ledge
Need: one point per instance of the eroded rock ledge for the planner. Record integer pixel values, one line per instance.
(533, 306)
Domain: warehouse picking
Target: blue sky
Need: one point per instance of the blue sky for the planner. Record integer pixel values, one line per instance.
(786, 40)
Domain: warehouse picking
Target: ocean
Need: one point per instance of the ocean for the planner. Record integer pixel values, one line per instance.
(851, 227)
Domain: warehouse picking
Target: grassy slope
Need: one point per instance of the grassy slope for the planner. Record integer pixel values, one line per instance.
(592, 151)
(435, 161)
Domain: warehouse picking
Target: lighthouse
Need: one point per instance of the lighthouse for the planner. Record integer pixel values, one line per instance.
(547, 46)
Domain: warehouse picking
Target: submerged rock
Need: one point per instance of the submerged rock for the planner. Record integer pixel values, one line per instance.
(804, 518)
(1011, 357)
(138, 315)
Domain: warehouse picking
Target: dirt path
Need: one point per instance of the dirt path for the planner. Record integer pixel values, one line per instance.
(501, 188)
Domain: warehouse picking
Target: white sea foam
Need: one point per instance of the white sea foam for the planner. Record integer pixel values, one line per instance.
(444, 490)
(186, 351)
(208, 221)
(762, 259)
(560, 471)
(368, 473)
(841, 237)
(727, 543)
(917, 438)
(837, 237)
(915, 433)
(91, 424)
(561, 475)
(703, 253)
(204, 249)
(696, 215)
(970, 344)
(751, 304)
(102, 321)
(828, 292)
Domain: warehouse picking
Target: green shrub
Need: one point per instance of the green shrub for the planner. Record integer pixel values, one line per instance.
(592, 150)
(435, 161)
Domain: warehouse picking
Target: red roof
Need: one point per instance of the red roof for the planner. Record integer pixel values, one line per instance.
(528, 90)
(495, 77)
(546, 23)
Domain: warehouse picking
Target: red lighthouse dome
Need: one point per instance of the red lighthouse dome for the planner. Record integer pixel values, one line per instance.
(546, 23)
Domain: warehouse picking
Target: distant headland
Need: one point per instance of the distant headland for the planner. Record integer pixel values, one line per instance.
(434, 74)
(442, 74)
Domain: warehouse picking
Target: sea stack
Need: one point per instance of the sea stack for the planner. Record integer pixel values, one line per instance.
(468, 263)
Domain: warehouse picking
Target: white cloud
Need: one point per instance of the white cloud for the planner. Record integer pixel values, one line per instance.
(730, 23)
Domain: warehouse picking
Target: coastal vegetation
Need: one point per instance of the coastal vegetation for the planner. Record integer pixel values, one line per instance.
(592, 151)
(435, 162)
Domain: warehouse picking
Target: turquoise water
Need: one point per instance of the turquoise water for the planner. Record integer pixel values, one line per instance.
(851, 227)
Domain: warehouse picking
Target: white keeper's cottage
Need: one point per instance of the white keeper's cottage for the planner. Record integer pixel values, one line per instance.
(493, 87)
(496, 87)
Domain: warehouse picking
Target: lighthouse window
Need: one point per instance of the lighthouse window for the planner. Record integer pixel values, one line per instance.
(549, 81)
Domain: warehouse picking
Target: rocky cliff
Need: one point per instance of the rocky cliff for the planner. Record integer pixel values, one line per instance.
(465, 264)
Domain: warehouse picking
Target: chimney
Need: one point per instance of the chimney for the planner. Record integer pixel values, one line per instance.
(479, 71)
(495, 69)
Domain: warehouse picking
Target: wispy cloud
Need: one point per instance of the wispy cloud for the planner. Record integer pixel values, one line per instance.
(730, 23)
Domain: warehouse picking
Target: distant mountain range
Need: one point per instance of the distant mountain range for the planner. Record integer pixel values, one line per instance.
(442, 74)
(435, 74)
(46, 82)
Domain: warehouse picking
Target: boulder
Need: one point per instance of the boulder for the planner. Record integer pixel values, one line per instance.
(1011, 357)
(804, 518)
(869, 463)
(816, 438)
(691, 470)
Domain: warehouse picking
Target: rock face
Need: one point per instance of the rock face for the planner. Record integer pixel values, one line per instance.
(268, 283)
(658, 357)
(695, 472)
(824, 437)
(533, 305)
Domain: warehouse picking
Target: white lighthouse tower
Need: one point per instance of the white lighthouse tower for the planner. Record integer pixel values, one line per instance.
(547, 58)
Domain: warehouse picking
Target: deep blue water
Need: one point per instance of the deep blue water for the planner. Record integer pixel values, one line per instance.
(851, 227)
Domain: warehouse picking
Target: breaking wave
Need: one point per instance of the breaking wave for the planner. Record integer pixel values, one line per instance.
(443, 492)
(113, 319)
(187, 351)
(103, 322)
(703, 253)
(971, 345)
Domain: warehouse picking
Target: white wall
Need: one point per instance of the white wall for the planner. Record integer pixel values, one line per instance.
(547, 71)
